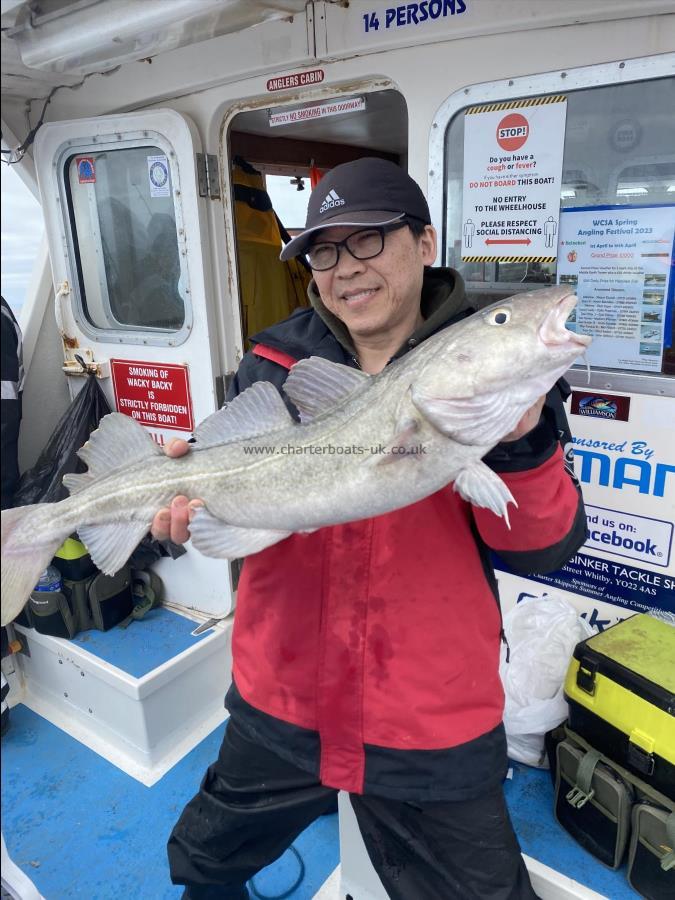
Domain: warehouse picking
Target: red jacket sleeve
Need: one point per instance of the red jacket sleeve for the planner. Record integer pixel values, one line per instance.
(548, 526)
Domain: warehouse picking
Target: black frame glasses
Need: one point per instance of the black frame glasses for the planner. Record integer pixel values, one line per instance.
(351, 245)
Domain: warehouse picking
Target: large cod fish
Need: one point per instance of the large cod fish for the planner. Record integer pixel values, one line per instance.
(365, 445)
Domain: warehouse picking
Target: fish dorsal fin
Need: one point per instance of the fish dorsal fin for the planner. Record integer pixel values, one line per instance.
(257, 410)
(316, 385)
(118, 441)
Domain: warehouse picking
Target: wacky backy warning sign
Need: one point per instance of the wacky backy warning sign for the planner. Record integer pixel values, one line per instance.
(512, 173)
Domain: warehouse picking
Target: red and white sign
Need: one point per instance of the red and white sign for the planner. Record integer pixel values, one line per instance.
(298, 79)
(512, 178)
(154, 394)
(317, 111)
(512, 131)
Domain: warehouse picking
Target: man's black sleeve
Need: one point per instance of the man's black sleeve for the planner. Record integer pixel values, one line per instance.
(12, 378)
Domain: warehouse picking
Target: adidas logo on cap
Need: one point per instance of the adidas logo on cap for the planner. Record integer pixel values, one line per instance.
(332, 199)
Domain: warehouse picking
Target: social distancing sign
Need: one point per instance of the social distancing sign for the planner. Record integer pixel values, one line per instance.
(512, 177)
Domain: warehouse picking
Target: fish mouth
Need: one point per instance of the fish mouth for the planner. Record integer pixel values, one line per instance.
(552, 331)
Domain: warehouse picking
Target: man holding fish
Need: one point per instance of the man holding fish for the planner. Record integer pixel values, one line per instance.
(366, 653)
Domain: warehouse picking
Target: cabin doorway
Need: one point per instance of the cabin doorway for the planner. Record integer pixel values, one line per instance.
(277, 155)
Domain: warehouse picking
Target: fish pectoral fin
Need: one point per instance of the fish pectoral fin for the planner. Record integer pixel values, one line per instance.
(257, 410)
(111, 545)
(481, 419)
(316, 385)
(482, 487)
(215, 538)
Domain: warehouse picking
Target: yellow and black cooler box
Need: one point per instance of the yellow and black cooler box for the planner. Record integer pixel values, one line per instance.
(620, 687)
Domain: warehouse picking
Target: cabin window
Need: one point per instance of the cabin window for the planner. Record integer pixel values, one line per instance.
(123, 224)
(618, 158)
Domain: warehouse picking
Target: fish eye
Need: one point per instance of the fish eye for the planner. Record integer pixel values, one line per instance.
(499, 317)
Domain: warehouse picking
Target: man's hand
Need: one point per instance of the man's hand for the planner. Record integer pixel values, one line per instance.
(171, 523)
(527, 423)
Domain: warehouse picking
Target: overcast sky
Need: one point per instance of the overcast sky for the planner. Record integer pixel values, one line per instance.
(22, 228)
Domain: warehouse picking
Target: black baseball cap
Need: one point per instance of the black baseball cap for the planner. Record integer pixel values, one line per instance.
(367, 191)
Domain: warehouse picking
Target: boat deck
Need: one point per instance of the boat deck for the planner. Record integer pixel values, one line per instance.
(79, 827)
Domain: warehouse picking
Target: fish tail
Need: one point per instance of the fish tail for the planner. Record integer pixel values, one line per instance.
(26, 551)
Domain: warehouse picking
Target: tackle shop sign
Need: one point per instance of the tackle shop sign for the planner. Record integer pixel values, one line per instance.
(512, 174)
(154, 394)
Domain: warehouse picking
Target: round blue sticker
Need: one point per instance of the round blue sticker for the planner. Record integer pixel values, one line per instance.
(159, 174)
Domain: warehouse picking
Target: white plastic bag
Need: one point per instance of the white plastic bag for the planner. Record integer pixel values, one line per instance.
(542, 633)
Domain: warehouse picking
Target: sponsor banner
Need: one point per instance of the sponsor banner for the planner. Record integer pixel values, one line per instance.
(626, 472)
(632, 465)
(297, 79)
(158, 176)
(600, 406)
(155, 394)
(599, 615)
(512, 175)
(610, 581)
(86, 170)
(618, 259)
(317, 111)
(629, 535)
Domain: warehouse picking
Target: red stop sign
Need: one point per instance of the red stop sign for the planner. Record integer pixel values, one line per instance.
(512, 131)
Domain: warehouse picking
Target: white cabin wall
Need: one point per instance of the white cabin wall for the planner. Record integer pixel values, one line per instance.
(445, 69)
(205, 83)
(426, 81)
(269, 47)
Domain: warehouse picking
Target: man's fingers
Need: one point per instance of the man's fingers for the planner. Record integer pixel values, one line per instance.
(179, 520)
(172, 523)
(176, 447)
(161, 525)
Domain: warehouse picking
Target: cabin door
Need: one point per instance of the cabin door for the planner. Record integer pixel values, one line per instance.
(128, 243)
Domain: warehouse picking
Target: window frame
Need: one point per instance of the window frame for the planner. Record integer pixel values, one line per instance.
(122, 333)
(557, 81)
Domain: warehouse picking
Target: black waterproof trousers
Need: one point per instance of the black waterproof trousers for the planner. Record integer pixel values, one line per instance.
(252, 805)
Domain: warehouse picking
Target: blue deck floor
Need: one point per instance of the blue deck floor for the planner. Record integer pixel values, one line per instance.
(529, 795)
(81, 828)
(138, 649)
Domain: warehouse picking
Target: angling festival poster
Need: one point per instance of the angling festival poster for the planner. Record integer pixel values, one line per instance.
(619, 261)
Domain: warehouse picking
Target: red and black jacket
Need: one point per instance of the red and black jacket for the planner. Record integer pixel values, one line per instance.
(368, 652)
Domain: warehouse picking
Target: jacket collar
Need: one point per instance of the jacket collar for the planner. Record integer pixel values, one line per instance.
(443, 299)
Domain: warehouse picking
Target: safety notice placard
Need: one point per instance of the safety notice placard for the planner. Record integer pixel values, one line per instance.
(512, 176)
(155, 394)
(317, 111)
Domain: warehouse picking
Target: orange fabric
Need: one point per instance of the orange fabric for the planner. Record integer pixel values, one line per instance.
(315, 176)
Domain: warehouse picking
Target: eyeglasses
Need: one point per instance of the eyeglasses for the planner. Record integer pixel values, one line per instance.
(364, 244)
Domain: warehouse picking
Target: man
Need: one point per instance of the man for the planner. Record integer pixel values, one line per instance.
(366, 654)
